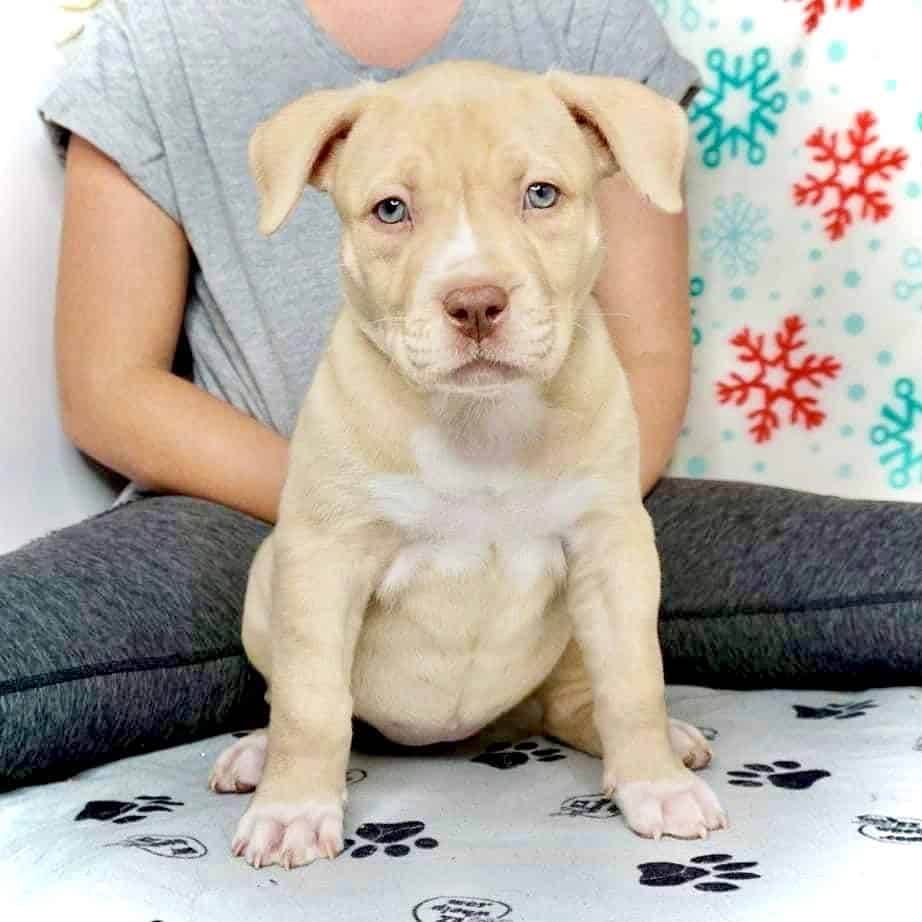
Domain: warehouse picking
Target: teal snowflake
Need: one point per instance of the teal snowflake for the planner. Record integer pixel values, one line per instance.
(690, 16)
(909, 289)
(695, 290)
(736, 235)
(739, 108)
(896, 432)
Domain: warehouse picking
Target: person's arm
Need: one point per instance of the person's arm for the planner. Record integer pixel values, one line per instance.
(122, 284)
(643, 291)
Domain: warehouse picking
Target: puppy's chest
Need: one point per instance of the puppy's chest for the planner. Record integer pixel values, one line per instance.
(458, 513)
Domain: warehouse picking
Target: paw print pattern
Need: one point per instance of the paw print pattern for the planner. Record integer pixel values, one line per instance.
(668, 874)
(121, 812)
(838, 711)
(757, 774)
(503, 756)
(890, 828)
(391, 837)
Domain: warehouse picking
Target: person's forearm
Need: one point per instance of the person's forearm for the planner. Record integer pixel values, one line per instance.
(659, 388)
(174, 437)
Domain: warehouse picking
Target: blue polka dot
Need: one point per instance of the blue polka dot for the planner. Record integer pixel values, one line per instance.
(759, 467)
(854, 324)
(816, 255)
(914, 190)
(746, 25)
(874, 244)
(834, 89)
(685, 430)
(696, 286)
(884, 357)
(798, 58)
(856, 392)
(838, 51)
(847, 430)
(821, 321)
(890, 85)
(728, 435)
(919, 121)
(819, 291)
(738, 293)
(852, 279)
(807, 225)
(804, 96)
(697, 467)
(845, 470)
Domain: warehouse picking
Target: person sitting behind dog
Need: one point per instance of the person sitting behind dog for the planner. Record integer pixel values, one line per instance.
(124, 630)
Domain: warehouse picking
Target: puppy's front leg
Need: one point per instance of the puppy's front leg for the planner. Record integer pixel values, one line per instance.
(613, 594)
(321, 585)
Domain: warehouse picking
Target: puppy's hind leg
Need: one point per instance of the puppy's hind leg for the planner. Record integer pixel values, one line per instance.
(566, 699)
(240, 767)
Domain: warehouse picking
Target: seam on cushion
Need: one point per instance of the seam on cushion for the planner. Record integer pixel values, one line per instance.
(146, 664)
(805, 608)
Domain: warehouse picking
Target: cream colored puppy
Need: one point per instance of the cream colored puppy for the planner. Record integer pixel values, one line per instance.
(461, 533)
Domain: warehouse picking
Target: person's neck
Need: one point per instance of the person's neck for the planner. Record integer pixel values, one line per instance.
(385, 33)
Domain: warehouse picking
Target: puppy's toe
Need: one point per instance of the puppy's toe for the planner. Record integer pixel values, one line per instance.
(290, 835)
(240, 767)
(689, 744)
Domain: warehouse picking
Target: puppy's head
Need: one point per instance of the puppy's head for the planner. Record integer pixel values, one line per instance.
(470, 236)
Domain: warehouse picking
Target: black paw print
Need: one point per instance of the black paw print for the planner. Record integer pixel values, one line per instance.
(667, 874)
(504, 756)
(391, 836)
(838, 711)
(758, 774)
(119, 811)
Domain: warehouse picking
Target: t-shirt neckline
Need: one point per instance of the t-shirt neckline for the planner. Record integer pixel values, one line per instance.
(447, 46)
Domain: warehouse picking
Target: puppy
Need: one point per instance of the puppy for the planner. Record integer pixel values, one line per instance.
(461, 534)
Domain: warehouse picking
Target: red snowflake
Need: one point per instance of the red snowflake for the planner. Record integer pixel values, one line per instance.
(765, 419)
(861, 163)
(815, 10)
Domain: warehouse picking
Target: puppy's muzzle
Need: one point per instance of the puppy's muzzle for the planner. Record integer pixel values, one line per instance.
(478, 311)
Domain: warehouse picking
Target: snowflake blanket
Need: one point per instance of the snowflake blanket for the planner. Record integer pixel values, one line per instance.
(805, 198)
(822, 791)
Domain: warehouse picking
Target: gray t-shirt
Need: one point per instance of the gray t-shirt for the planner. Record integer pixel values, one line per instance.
(172, 89)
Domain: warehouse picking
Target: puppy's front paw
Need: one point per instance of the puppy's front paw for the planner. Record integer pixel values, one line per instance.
(686, 808)
(289, 834)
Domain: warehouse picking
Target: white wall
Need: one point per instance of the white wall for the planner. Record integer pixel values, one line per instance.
(44, 482)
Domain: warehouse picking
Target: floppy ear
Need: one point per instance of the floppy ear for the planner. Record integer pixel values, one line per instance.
(632, 128)
(298, 146)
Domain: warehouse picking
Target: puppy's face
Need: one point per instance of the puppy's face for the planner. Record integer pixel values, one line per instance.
(470, 234)
(470, 237)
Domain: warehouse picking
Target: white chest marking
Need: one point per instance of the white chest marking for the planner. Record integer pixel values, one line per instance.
(458, 509)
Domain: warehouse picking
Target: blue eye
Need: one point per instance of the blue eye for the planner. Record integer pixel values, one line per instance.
(391, 211)
(541, 195)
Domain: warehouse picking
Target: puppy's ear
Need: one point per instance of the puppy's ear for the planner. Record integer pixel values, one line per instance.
(299, 146)
(630, 128)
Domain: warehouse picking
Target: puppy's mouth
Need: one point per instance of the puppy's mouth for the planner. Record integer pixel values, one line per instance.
(481, 372)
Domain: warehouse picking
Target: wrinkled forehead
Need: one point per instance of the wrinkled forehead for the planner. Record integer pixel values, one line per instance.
(489, 136)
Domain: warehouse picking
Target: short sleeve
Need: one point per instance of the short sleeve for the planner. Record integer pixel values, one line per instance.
(626, 38)
(99, 95)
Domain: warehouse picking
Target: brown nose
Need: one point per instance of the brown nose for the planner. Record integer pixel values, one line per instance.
(476, 311)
